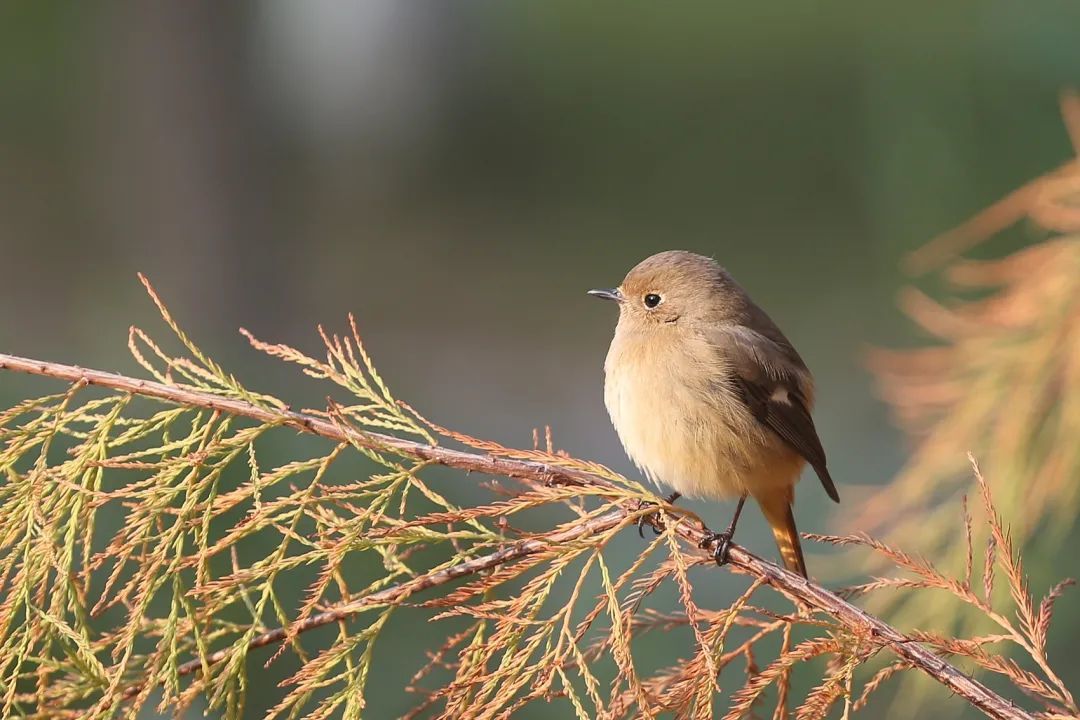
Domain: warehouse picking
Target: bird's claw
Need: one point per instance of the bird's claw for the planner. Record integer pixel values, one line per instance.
(649, 519)
(720, 542)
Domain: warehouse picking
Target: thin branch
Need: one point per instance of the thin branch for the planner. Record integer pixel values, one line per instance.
(470, 462)
(790, 584)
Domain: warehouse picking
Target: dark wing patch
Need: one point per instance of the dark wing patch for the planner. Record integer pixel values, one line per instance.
(789, 419)
(767, 371)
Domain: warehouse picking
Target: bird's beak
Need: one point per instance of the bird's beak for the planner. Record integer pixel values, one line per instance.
(608, 294)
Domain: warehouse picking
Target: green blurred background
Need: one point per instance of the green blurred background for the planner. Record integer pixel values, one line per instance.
(458, 174)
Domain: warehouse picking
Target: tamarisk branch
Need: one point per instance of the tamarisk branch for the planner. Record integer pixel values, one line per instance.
(794, 586)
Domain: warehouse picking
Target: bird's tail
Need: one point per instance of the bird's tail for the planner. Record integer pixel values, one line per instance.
(777, 511)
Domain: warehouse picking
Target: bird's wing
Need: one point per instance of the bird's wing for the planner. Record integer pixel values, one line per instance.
(775, 384)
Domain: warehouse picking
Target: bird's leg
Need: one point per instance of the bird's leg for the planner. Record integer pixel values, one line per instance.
(644, 518)
(722, 540)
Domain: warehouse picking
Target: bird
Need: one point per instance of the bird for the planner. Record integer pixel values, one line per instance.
(708, 397)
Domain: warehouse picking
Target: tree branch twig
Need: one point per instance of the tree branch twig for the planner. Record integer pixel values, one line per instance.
(790, 584)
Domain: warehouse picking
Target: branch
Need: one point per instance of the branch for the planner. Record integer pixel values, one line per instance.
(788, 583)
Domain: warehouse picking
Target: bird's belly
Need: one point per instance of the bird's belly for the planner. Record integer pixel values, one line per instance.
(692, 438)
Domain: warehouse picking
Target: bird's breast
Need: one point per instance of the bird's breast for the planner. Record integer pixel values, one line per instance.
(679, 419)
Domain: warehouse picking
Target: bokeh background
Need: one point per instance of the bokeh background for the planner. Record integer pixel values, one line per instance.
(458, 174)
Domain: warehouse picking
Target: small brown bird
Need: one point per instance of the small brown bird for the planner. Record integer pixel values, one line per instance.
(708, 396)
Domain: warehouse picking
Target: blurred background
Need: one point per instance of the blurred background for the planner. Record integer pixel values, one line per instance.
(459, 174)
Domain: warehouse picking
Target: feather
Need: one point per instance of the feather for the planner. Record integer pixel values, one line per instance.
(775, 385)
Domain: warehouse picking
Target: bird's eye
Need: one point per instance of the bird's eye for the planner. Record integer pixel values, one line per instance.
(652, 300)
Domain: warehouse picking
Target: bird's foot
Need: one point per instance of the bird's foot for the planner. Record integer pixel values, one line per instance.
(720, 543)
(653, 519)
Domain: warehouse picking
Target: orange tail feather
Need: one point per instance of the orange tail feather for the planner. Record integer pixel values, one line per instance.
(777, 511)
